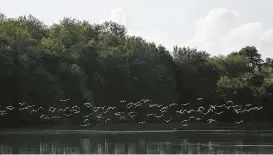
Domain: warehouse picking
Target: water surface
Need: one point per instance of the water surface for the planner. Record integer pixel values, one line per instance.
(203, 142)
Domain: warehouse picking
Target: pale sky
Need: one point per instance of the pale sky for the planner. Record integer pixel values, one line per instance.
(217, 26)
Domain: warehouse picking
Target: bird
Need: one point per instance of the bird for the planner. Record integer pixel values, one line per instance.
(247, 105)
(239, 122)
(229, 102)
(168, 120)
(40, 108)
(152, 114)
(86, 120)
(185, 104)
(164, 108)
(10, 108)
(128, 106)
(211, 120)
(85, 125)
(238, 111)
(3, 112)
(190, 111)
(200, 98)
(173, 104)
(88, 105)
(185, 125)
(158, 116)
(33, 111)
(122, 118)
(180, 111)
(42, 116)
(123, 101)
(212, 106)
(142, 122)
(76, 107)
(201, 107)
(52, 109)
(191, 117)
(107, 120)
(198, 118)
(86, 116)
(55, 117)
(132, 112)
(64, 100)
(21, 103)
(219, 113)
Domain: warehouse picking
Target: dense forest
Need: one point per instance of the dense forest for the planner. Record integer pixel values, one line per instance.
(102, 65)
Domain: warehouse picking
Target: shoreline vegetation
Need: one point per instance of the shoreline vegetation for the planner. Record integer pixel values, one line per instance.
(75, 74)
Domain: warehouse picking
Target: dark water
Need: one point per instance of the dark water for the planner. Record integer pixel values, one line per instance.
(140, 143)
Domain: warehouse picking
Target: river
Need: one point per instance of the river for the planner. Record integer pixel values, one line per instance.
(178, 142)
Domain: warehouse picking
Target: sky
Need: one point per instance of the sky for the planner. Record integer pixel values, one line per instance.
(216, 26)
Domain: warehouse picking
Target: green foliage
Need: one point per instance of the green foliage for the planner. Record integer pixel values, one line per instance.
(101, 64)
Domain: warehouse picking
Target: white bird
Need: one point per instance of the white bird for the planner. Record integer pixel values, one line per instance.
(3, 112)
(86, 120)
(238, 111)
(132, 112)
(198, 118)
(128, 106)
(229, 102)
(201, 108)
(142, 122)
(42, 116)
(152, 114)
(239, 122)
(168, 120)
(181, 112)
(107, 120)
(159, 116)
(122, 118)
(67, 115)
(173, 104)
(85, 125)
(40, 108)
(211, 120)
(52, 109)
(88, 105)
(123, 101)
(22, 104)
(64, 100)
(55, 117)
(220, 106)
(212, 106)
(190, 111)
(164, 108)
(185, 125)
(191, 117)
(186, 104)
(260, 108)
(247, 105)
(200, 98)
(219, 113)
(76, 107)
(227, 107)
(10, 108)
(33, 111)
(132, 116)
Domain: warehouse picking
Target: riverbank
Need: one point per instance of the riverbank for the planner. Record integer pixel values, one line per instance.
(152, 127)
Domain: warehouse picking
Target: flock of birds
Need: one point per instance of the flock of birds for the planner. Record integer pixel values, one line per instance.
(143, 111)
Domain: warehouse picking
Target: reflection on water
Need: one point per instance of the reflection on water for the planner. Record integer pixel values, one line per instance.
(149, 143)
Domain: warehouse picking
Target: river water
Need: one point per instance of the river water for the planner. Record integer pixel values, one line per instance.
(180, 142)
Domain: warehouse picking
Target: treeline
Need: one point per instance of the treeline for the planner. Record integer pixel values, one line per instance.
(101, 64)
